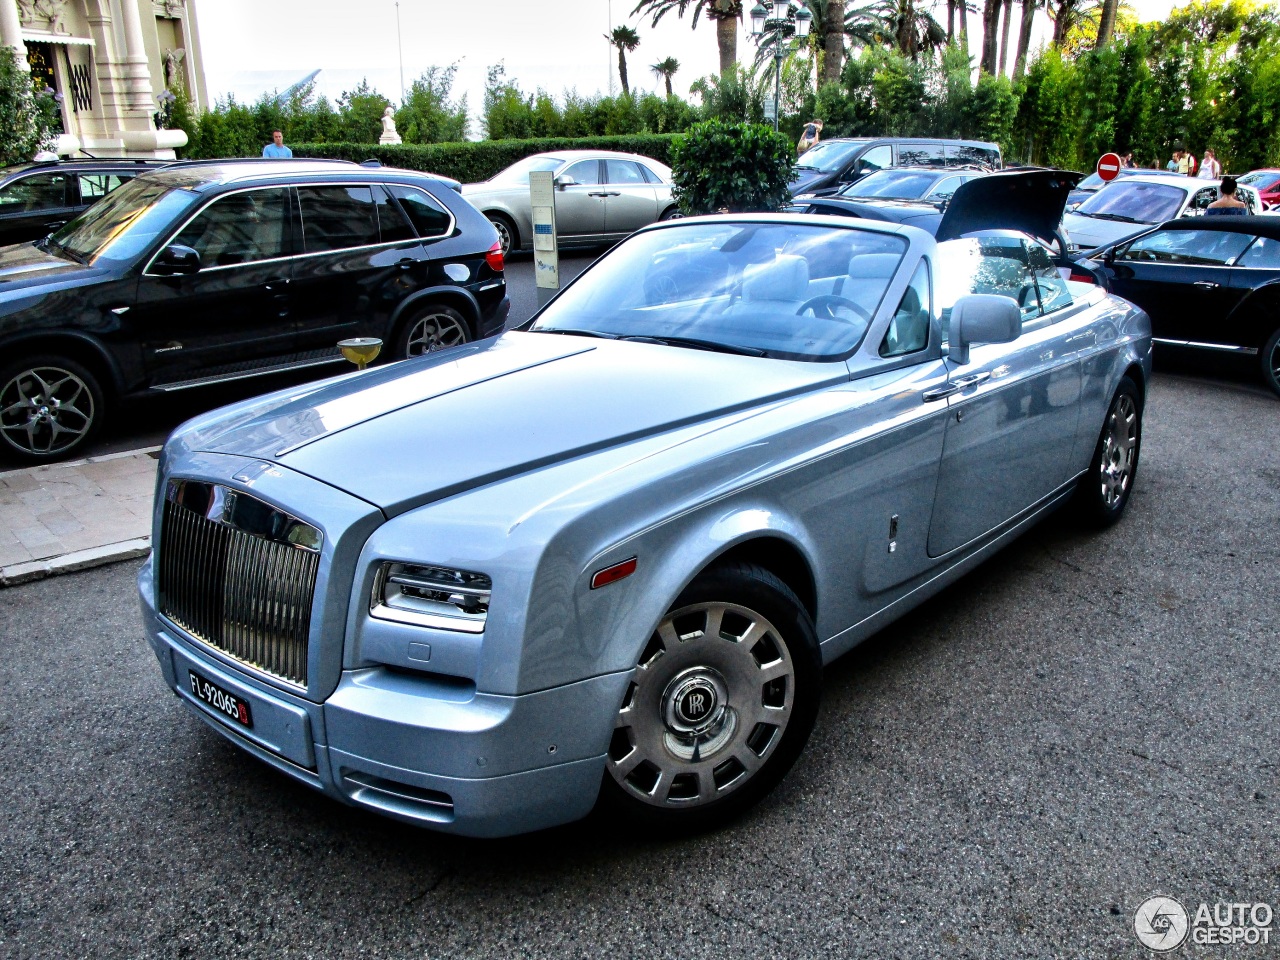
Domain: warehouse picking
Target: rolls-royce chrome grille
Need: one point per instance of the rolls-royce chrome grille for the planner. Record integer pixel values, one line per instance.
(239, 575)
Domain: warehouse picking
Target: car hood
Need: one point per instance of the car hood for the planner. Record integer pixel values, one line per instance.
(1027, 200)
(1089, 232)
(25, 265)
(417, 431)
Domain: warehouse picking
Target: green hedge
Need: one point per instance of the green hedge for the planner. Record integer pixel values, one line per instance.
(471, 162)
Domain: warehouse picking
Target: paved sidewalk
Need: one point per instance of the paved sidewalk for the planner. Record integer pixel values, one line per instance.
(69, 516)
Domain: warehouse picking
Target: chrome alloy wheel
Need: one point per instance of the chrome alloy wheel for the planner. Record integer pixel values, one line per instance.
(504, 233)
(1119, 445)
(710, 700)
(45, 410)
(434, 331)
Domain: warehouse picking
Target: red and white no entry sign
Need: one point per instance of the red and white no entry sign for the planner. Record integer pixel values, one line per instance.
(1109, 166)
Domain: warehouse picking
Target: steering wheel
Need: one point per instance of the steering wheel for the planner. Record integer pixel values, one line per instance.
(828, 303)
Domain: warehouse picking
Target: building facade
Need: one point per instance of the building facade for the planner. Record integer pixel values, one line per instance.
(115, 65)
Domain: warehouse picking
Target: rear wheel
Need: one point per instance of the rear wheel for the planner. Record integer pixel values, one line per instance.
(508, 236)
(432, 329)
(723, 700)
(672, 213)
(50, 406)
(1105, 488)
(1271, 362)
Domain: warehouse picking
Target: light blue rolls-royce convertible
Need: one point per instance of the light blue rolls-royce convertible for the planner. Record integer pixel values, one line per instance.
(604, 557)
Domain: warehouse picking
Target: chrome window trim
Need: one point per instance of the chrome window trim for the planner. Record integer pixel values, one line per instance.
(453, 223)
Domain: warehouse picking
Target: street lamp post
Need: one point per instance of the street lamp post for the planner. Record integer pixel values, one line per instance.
(778, 21)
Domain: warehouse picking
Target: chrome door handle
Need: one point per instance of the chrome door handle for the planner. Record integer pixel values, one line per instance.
(941, 393)
(1089, 335)
(1206, 285)
(965, 383)
(599, 193)
(276, 285)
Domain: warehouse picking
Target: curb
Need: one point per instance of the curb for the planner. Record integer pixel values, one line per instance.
(17, 573)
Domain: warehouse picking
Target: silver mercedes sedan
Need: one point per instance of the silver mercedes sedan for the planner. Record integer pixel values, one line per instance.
(604, 557)
(601, 197)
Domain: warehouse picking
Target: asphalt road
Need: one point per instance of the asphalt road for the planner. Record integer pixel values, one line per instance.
(147, 422)
(1084, 721)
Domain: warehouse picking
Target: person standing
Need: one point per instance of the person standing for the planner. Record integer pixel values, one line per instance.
(1184, 163)
(276, 150)
(1227, 204)
(1174, 161)
(1210, 168)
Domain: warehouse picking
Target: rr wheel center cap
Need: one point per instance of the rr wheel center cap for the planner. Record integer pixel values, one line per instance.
(695, 702)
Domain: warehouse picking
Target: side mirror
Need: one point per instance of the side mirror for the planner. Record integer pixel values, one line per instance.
(564, 180)
(176, 260)
(982, 318)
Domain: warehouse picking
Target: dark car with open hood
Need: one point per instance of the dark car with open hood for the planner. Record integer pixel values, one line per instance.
(206, 272)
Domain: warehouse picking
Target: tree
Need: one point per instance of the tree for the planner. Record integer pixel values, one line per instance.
(741, 167)
(832, 32)
(360, 113)
(626, 40)
(666, 69)
(1004, 36)
(1029, 8)
(27, 117)
(990, 26)
(428, 114)
(913, 30)
(1072, 16)
(1107, 22)
(835, 22)
(727, 14)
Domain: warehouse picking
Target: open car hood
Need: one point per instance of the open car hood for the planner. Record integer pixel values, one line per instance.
(1027, 200)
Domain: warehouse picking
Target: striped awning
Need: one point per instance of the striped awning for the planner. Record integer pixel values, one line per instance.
(57, 38)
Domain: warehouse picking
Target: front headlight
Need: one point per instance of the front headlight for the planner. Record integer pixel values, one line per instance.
(430, 596)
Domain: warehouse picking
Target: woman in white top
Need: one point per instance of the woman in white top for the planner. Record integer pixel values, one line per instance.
(1210, 168)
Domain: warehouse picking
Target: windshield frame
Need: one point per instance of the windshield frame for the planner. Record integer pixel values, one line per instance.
(908, 251)
(1118, 190)
(113, 221)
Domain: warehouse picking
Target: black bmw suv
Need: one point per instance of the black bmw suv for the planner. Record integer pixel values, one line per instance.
(201, 273)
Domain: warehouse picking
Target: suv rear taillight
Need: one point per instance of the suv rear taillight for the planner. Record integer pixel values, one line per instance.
(494, 257)
(1077, 277)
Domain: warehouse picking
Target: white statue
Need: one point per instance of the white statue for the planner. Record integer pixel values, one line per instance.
(389, 134)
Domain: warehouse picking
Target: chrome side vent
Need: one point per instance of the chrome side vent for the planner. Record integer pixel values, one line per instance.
(239, 575)
(404, 799)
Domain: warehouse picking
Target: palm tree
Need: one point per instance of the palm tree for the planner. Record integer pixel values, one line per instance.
(666, 69)
(1029, 8)
(1070, 15)
(727, 14)
(1107, 22)
(913, 30)
(965, 9)
(1004, 36)
(990, 26)
(834, 22)
(626, 40)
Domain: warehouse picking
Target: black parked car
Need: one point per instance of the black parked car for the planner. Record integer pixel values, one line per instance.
(828, 166)
(38, 198)
(1212, 283)
(201, 273)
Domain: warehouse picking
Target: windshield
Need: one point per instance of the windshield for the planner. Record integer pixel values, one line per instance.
(1139, 202)
(892, 185)
(125, 222)
(1262, 180)
(830, 155)
(1091, 182)
(518, 172)
(789, 291)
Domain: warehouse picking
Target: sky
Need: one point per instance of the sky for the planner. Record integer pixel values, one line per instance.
(256, 46)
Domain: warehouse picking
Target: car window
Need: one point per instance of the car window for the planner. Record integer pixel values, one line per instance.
(877, 158)
(960, 155)
(946, 187)
(518, 172)
(393, 226)
(585, 171)
(1135, 202)
(96, 185)
(921, 154)
(649, 175)
(991, 265)
(429, 218)
(828, 156)
(240, 228)
(1052, 287)
(123, 224)
(1206, 248)
(784, 289)
(1263, 252)
(623, 172)
(337, 218)
(892, 184)
(39, 192)
(909, 329)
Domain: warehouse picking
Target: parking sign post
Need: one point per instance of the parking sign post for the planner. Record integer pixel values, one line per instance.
(546, 257)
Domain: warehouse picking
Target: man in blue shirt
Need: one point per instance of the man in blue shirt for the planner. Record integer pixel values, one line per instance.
(276, 150)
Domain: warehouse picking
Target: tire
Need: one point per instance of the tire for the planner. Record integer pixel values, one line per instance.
(508, 235)
(672, 214)
(1271, 362)
(1105, 488)
(723, 700)
(50, 407)
(430, 330)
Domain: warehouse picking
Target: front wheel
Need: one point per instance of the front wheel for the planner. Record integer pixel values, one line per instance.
(1105, 488)
(674, 213)
(1271, 362)
(432, 329)
(723, 700)
(50, 407)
